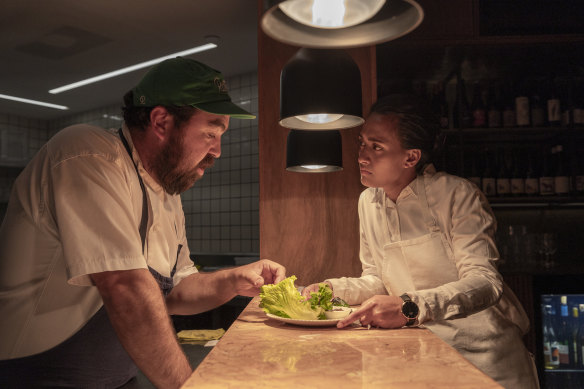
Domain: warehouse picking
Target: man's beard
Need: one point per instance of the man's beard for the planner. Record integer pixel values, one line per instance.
(166, 166)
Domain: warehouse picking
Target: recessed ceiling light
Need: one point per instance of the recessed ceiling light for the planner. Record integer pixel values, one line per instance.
(132, 68)
(35, 102)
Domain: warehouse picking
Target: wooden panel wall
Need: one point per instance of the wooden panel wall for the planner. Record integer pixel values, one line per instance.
(308, 221)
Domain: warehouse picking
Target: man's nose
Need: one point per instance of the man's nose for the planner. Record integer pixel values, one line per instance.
(215, 149)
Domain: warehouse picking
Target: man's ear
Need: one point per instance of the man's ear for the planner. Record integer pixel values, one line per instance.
(412, 157)
(160, 122)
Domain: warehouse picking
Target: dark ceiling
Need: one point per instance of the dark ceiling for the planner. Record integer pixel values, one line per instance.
(47, 44)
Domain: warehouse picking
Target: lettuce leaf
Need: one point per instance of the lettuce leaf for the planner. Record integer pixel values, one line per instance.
(284, 300)
(322, 298)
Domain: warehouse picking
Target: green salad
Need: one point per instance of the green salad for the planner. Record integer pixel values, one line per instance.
(283, 299)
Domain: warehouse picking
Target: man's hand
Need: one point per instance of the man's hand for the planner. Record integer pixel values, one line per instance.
(249, 278)
(313, 288)
(378, 311)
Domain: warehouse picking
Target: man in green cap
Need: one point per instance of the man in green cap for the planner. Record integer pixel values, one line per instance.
(93, 249)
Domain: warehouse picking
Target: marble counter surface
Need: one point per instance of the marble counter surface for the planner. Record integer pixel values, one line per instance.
(260, 352)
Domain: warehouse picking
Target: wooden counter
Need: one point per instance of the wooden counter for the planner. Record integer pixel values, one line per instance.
(259, 352)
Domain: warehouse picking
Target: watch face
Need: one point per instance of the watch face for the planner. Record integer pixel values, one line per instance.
(410, 310)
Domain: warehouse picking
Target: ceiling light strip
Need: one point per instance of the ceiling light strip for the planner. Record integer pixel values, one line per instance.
(132, 68)
(35, 102)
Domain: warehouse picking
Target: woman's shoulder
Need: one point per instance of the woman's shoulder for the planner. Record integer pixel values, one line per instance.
(370, 195)
(449, 183)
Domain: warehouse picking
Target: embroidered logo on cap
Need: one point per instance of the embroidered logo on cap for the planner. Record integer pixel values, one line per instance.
(142, 99)
(221, 84)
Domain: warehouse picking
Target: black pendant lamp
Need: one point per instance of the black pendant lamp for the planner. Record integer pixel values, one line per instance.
(320, 90)
(340, 23)
(314, 151)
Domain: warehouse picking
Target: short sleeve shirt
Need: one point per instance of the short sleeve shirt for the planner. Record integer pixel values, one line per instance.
(75, 210)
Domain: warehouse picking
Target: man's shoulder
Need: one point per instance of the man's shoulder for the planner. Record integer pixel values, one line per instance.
(84, 140)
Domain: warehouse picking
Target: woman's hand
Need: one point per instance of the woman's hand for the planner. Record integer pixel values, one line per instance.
(378, 311)
(313, 288)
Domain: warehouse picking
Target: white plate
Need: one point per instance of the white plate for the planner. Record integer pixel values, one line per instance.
(307, 323)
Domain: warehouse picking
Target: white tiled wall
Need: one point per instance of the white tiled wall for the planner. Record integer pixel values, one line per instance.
(20, 139)
(222, 209)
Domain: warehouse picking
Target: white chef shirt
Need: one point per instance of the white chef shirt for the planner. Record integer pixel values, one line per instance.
(76, 210)
(465, 218)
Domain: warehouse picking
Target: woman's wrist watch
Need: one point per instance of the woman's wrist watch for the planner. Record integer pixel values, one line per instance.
(410, 310)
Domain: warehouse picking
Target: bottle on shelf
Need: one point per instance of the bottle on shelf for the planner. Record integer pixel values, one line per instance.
(574, 352)
(551, 353)
(440, 104)
(461, 115)
(554, 113)
(538, 112)
(581, 336)
(579, 173)
(567, 104)
(522, 111)
(561, 175)
(578, 104)
(517, 176)
(503, 180)
(564, 335)
(474, 175)
(494, 109)
(489, 184)
(509, 116)
(478, 108)
(546, 176)
(531, 176)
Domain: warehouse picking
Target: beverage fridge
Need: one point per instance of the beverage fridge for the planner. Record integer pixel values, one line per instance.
(559, 325)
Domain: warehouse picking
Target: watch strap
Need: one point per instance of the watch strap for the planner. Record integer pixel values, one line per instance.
(407, 301)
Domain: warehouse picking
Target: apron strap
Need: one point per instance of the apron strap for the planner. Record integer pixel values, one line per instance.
(428, 219)
(144, 219)
(165, 283)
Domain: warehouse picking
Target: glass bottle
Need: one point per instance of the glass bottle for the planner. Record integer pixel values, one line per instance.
(517, 177)
(578, 105)
(581, 336)
(554, 114)
(440, 104)
(579, 173)
(489, 184)
(503, 177)
(462, 116)
(567, 105)
(531, 177)
(509, 116)
(550, 342)
(546, 177)
(474, 176)
(564, 335)
(494, 109)
(522, 111)
(561, 176)
(478, 109)
(537, 109)
(574, 352)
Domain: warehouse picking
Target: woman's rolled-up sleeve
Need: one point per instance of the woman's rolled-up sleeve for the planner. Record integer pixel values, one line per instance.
(470, 231)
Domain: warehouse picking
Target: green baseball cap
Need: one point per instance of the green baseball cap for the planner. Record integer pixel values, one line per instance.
(180, 82)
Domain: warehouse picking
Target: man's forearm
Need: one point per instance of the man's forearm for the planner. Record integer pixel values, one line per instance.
(200, 292)
(137, 312)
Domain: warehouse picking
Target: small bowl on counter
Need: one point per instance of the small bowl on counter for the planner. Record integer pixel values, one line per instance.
(338, 313)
